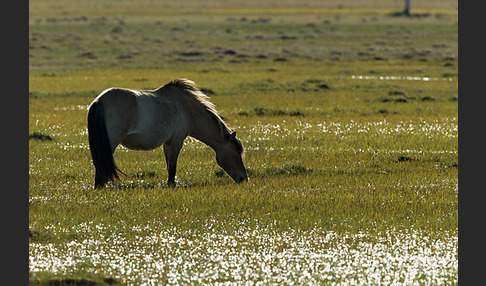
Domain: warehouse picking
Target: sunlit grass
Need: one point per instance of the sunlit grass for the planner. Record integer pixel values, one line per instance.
(352, 179)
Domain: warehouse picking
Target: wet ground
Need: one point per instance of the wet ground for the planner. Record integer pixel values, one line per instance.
(255, 255)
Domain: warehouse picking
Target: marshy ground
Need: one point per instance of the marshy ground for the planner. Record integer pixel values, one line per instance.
(348, 115)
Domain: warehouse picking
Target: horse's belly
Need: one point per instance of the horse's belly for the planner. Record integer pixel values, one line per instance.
(141, 142)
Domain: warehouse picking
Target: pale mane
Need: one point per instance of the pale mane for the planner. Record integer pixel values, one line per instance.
(190, 88)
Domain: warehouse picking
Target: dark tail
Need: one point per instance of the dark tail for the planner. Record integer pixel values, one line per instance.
(99, 145)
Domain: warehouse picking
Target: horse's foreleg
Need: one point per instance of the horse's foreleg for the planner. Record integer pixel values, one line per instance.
(171, 151)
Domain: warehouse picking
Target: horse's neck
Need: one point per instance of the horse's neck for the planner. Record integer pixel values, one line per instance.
(207, 130)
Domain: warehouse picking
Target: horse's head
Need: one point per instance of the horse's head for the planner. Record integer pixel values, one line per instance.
(229, 157)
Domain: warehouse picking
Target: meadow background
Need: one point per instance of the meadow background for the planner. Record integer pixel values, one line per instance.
(347, 111)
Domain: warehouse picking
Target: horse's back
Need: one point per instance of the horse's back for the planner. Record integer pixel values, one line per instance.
(117, 98)
(161, 117)
(143, 119)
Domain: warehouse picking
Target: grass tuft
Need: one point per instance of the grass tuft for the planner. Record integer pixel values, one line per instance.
(261, 111)
(287, 169)
(82, 279)
(37, 135)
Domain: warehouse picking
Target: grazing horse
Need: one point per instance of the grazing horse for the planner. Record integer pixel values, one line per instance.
(147, 119)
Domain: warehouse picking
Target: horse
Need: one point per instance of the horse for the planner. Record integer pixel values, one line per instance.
(148, 119)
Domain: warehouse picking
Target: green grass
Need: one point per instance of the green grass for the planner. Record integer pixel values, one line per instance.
(362, 169)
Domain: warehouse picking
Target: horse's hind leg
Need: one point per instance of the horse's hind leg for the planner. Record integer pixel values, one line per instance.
(171, 151)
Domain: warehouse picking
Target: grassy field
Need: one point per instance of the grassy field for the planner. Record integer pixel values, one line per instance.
(348, 115)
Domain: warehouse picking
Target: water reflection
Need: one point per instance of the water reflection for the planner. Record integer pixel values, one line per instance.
(254, 255)
(409, 78)
(444, 128)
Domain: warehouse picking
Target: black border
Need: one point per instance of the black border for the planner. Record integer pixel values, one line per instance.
(472, 117)
(14, 118)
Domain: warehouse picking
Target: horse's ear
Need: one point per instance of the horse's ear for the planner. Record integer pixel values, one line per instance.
(233, 135)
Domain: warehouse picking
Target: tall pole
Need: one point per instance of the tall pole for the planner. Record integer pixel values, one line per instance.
(407, 8)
